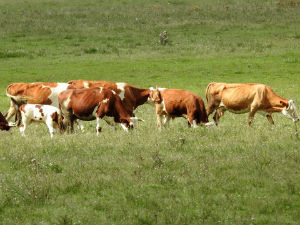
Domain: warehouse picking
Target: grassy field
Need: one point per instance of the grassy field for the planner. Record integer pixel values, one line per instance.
(231, 174)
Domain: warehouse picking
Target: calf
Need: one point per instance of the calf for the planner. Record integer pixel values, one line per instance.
(94, 103)
(249, 97)
(171, 103)
(40, 113)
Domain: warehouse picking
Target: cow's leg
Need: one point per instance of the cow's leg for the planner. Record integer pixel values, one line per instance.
(68, 121)
(49, 124)
(166, 120)
(11, 111)
(192, 120)
(210, 108)
(219, 112)
(80, 126)
(159, 119)
(269, 117)
(251, 115)
(25, 123)
(98, 127)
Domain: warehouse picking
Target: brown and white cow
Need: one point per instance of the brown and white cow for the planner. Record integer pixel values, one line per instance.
(131, 97)
(171, 103)
(50, 115)
(3, 123)
(33, 93)
(94, 103)
(248, 97)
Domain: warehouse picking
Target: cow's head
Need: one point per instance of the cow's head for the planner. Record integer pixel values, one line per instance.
(291, 111)
(4, 126)
(132, 123)
(3, 123)
(155, 95)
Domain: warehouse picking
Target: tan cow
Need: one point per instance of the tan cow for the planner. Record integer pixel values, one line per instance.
(171, 103)
(94, 103)
(131, 97)
(249, 97)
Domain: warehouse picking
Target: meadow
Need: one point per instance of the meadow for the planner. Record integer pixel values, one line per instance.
(230, 174)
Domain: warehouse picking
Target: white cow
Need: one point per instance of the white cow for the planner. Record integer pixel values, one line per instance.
(50, 115)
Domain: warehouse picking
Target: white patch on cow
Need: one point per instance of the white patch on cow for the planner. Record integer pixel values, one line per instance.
(101, 89)
(95, 110)
(124, 127)
(121, 87)
(105, 100)
(113, 92)
(194, 124)
(163, 105)
(208, 124)
(55, 91)
(85, 84)
(66, 102)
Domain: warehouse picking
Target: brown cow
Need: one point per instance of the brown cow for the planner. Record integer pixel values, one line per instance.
(3, 123)
(242, 98)
(131, 97)
(171, 103)
(94, 103)
(34, 93)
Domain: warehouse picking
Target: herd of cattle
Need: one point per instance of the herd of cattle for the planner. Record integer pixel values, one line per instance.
(59, 105)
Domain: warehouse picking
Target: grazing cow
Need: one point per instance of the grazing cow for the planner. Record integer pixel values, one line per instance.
(33, 93)
(171, 103)
(3, 123)
(242, 98)
(50, 115)
(94, 103)
(131, 97)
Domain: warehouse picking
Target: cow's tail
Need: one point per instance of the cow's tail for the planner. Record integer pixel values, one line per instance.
(19, 100)
(207, 90)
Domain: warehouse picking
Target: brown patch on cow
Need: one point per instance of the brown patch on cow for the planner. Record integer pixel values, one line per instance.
(54, 117)
(99, 129)
(38, 107)
(40, 118)
(21, 108)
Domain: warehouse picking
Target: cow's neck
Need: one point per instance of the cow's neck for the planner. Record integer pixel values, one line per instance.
(141, 95)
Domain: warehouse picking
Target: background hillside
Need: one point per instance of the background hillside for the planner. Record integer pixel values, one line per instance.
(226, 175)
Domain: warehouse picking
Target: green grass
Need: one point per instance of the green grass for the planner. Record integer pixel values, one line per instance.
(231, 174)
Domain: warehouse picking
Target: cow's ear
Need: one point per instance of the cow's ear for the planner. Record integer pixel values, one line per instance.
(283, 103)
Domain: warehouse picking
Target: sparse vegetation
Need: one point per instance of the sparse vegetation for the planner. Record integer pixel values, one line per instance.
(231, 174)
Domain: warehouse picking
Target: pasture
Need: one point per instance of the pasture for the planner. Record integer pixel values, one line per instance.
(230, 174)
